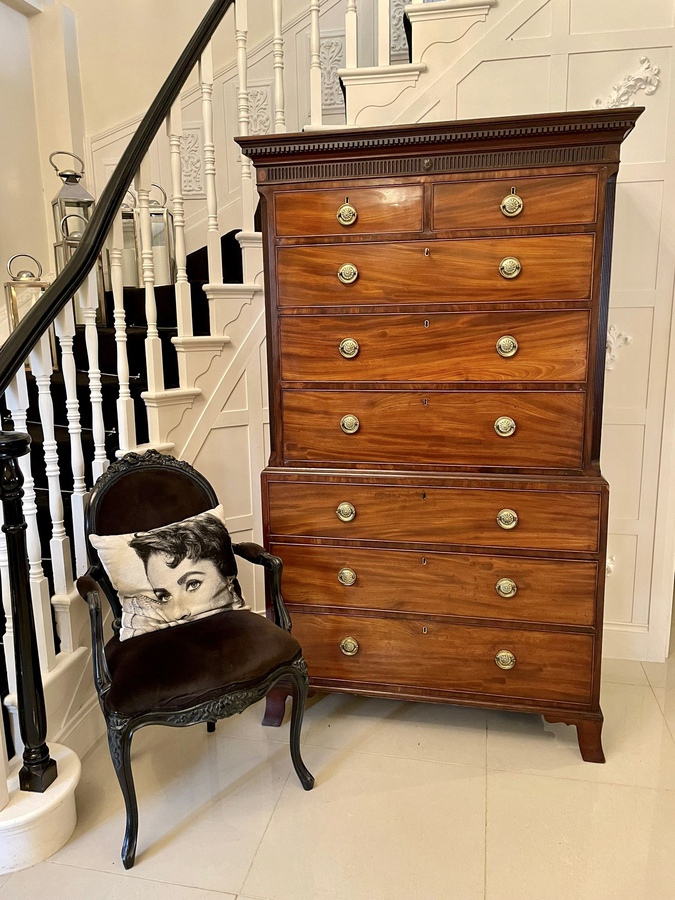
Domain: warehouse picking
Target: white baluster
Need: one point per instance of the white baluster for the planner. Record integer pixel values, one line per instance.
(247, 187)
(383, 32)
(153, 345)
(88, 301)
(64, 326)
(125, 404)
(59, 545)
(17, 404)
(351, 35)
(315, 113)
(174, 127)
(278, 55)
(213, 229)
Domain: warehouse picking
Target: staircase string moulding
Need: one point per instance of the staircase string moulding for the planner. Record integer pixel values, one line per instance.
(437, 301)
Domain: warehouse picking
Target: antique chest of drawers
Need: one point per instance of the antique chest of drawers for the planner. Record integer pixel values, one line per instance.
(437, 311)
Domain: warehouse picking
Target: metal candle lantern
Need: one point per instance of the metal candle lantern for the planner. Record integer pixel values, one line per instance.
(71, 201)
(163, 243)
(22, 292)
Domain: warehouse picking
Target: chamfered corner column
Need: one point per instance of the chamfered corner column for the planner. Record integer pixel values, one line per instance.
(39, 769)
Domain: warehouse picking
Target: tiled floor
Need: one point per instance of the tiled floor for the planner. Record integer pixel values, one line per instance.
(412, 802)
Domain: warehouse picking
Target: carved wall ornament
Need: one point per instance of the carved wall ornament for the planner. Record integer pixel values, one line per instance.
(192, 162)
(399, 42)
(331, 56)
(615, 341)
(259, 110)
(647, 78)
(610, 564)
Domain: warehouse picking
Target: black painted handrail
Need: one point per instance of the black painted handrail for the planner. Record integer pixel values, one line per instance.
(38, 319)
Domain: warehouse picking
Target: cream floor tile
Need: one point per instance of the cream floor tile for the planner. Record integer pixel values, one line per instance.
(657, 673)
(397, 728)
(638, 746)
(549, 839)
(70, 883)
(204, 803)
(623, 671)
(3, 879)
(374, 828)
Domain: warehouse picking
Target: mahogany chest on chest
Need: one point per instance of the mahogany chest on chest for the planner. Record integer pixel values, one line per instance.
(437, 311)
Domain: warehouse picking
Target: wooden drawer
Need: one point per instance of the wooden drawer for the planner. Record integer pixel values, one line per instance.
(379, 210)
(547, 200)
(557, 267)
(547, 519)
(443, 657)
(551, 591)
(450, 428)
(436, 347)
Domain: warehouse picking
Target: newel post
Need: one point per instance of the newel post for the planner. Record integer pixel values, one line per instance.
(38, 770)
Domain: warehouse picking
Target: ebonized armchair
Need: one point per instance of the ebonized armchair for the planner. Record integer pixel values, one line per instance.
(229, 660)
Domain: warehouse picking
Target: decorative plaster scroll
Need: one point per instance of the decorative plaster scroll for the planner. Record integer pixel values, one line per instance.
(615, 341)
(647, 79)
(192, 165)
(399, 42)
(331, 55)
(259, 110)
(610, 564)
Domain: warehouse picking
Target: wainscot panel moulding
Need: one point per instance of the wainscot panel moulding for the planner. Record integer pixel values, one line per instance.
(437, 299)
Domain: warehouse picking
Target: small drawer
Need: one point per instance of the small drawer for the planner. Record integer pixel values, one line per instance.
(349, 211)
(500, 429)
(556, 267)
(436, 347)
(505, 202)
(544, 666)
(510, 588)
(414, 513)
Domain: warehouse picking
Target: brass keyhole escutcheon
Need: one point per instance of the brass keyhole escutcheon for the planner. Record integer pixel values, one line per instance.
(507, 519)
(510, 267)
(505, 659)
(348, 273)
(349, 348)
(347, 214)
(347, 577)
(506, 587)
(349, 646)
(505, 426)
(349, 424)
(512, 204)
(345, 512)
(507, 346)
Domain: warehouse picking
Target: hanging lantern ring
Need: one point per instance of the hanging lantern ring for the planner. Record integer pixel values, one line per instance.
(76, 235)
(134, 200)
(66, 153)
(164, 194)
(24, 274)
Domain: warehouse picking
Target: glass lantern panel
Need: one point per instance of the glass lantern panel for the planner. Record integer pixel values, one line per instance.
(129, 255)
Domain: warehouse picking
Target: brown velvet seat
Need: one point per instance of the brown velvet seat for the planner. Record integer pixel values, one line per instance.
(199, 671)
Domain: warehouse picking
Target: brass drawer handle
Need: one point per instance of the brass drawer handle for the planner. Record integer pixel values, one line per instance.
(348, 273)
(510, 267)
(347, 214)
(345, 512)
(505, 659)
(506, 587)
(349, 348)
(507, 346)
(507, 519)
(349, 424)
(512, 204)
(347, 577)
(505, 426)
(349, 646)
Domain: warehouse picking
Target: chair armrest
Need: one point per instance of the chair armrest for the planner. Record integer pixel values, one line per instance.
(257, 555)
(90, 591)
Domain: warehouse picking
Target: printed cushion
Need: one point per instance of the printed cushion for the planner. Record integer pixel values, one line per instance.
(171, 575)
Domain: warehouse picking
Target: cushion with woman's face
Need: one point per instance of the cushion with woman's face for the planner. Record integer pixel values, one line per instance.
(171, 575)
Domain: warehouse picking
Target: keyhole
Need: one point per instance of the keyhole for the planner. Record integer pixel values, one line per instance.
(424, 495)
(425, 401)
(426, 323)
(424, 560)
(424, 630)
(513, 190)
(427, 252)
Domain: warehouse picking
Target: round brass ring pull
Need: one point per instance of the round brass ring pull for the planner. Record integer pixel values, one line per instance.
(510, 267)
(349, 348)
(512, 204)
(347, 577)
(505, 659)
(505, 426)
(349, 646)
(506, 587)
(507, 346)
(347, 214)
(507, 519)
(345, 512)
(348, 273)
(349, 424)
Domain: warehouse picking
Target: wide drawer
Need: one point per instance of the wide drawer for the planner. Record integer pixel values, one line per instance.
(553, 591)
(539, 200)
(503, 429)
(544, 519)
(435, 655)
(492, 346)
(378, 210)
(557, 267)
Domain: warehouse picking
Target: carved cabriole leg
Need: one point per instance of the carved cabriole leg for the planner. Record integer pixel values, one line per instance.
(275, 704)
(300, 683)
(119, 742)
(589, 735)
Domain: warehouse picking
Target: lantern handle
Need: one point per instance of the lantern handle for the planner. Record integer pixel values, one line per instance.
(134, 200)
(72, 216)
(65, 153)
(160, 188)
(24, 256)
